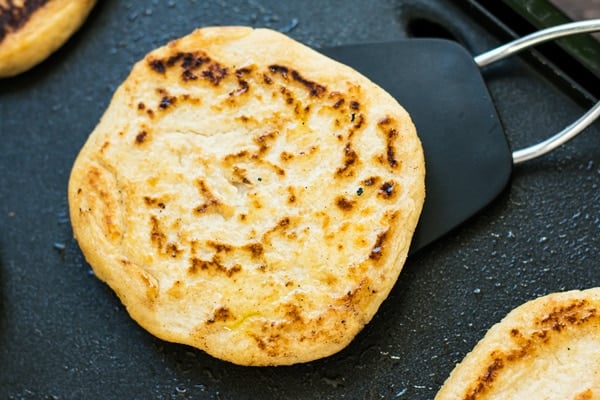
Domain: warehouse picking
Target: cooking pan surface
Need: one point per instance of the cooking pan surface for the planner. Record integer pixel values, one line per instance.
(65, 335)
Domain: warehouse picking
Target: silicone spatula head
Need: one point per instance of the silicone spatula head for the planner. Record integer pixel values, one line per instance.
(467, 156)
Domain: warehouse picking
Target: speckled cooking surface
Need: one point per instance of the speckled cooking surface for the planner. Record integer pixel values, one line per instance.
(64, 334)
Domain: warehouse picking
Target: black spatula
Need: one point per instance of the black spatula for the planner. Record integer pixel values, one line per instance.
(468, 159)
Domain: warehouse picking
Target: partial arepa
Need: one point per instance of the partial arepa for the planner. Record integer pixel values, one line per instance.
(248, 196)
(547, 348)
(31, 30)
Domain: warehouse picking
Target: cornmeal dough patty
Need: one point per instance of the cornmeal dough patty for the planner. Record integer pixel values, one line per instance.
(31, 30)
(547, 348)
(248, 196)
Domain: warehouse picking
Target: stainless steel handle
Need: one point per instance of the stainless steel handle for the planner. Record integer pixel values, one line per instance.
(526, 42)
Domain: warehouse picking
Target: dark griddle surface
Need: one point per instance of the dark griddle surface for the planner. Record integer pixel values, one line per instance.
(65, 335)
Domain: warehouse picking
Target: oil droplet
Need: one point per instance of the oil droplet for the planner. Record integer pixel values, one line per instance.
(180, 389)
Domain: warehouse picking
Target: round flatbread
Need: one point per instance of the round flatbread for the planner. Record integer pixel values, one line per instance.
(31, 30)
(547, 348)
(248, 196)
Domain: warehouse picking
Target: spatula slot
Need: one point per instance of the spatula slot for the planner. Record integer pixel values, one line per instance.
(425, 28)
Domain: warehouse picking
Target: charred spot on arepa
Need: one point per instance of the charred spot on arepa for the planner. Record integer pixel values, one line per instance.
(575, 313)
(215, 73)
(157, 65)
(385, 121)
(235, 157)
(263, 143)
(265, 140)
(358, 124)
(190, 60)
(288, 95)
(239, 175)
(221, 314)
(524, 344)
(255, 249)
(211, 202)
(188, 75)
(219, 247)
(240, 72)
(344, 203)
(242, 75)
(286, 156)
(213, 266)
(302, 111)
(279, 69)
(388, 127)
(157, 234)
(284, 222)
(267, 79)
(211, 205)
(291, 199)
(15, 14)
(391, 152)
(349, 160)
(154, 202)
(370, 181)
(172, 250)
(359, 121)
(191, 65)
(387, 190)
(314, 89)
(379, 246)
(280, 228)
(187, 61)
(141, 136)
(166, 101)
(104, 147)
(337, 98)
(242, 88)
(187, 98)
(292, 313)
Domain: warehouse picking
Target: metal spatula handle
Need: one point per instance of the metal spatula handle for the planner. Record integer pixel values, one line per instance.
(528, 41)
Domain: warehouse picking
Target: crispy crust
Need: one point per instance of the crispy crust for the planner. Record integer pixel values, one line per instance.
(33, 29)
(248, 196)
(547, 348)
